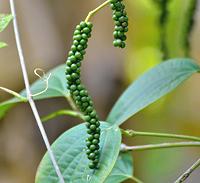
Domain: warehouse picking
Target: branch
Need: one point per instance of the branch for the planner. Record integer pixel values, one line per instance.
(29, 97)
(132, 133)
(125, 148)
(91, 13)
(62, 112)
(71, 102)
(188, 172)
(23, 99)
(135, 179)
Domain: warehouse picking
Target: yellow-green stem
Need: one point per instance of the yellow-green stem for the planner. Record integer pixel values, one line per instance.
(188, 172)
(125, 148)
(91, 13)
(24, 99)
(62, 112)
(135, 179)
(132, 133)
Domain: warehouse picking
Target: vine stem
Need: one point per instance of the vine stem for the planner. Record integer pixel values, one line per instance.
(71, 102)
(188, 172)
(125, 148)
(62, 112)
(91, 13)
(135, 179)
(24, 99)
(29, 97)
(132, 133)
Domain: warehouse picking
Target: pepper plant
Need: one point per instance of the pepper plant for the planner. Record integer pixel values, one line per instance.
(93, 151)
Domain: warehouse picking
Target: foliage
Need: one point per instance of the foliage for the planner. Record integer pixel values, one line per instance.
(4, 21)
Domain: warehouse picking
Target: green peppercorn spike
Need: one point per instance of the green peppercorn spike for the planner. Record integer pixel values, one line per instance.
(78, 92)
(121, 22)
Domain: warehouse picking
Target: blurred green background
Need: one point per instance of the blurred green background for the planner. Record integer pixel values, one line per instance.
(46, 29)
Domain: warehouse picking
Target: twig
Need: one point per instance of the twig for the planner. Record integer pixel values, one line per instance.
(125, 148)
(71, 102)
(188, 172)
(29, 97)
(23, 99)
(132, 133)
(63, 112)
(135, 179)
(91, 13)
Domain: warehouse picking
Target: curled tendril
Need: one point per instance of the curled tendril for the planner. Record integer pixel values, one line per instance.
(44, 77)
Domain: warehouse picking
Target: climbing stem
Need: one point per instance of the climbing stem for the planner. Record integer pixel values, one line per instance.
(125, 148)
(91, 13)
(24, 99)
(188, 172)
(135, 179)
(132, 133)
(28, 92)
(62, 112)
(71, 102)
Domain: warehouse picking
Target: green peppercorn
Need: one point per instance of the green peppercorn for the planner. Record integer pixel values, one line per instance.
(92, 121)
(95, 141)
(96, 136)
(96, 161)
(74, 76)
(88, 151)
(87, 124)
(77, 37)
(97, 124)
(75, 42)
(73, 67)
(73, 87)
(93, 127)
(84, 99)
(89, 109)
(85, 104)
(92, 165)
(92, 156)
(87, 118)
(93, 113)
(84, 36)
(90, 138)
(76, 92)
(93, 147)
(88, 143)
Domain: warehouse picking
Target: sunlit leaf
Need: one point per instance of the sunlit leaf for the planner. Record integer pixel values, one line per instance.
(151, 86)
(4, 21)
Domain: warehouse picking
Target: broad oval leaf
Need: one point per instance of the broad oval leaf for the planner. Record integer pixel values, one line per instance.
(4, 21)
(151, 86)
(122, 170)
(57, 87)
(69, 150)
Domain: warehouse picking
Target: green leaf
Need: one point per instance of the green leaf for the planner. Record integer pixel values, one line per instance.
(151, 86)
(2, 44)
(122, 170)
(69, 150)
(57, 88)
(4, 21)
